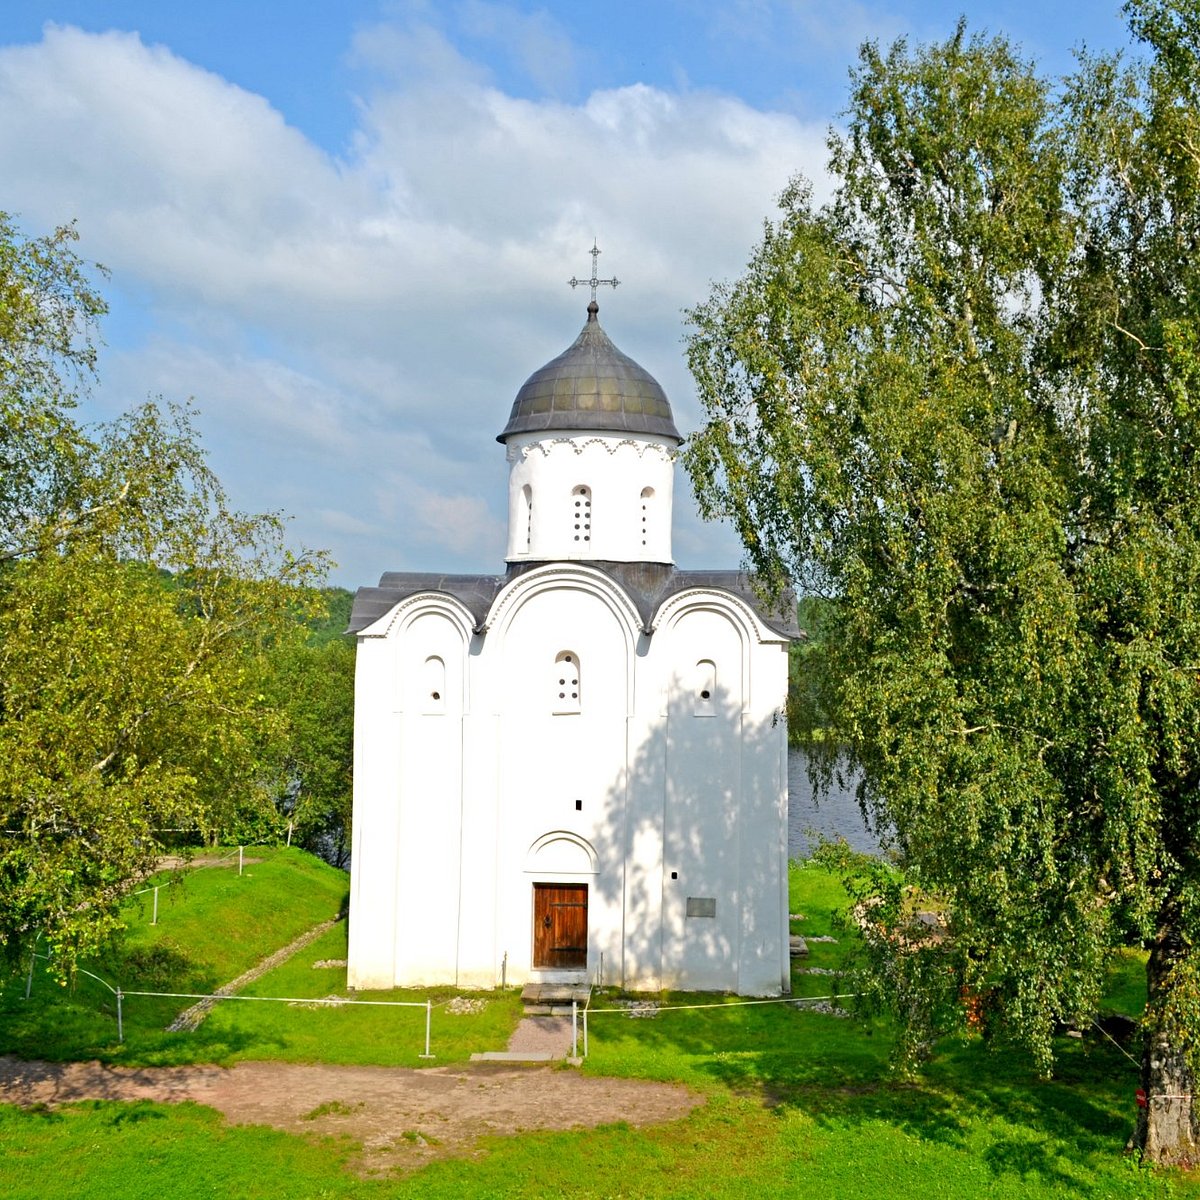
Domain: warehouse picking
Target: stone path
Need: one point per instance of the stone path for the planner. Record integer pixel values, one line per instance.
(191, 1018)
(543, 1035)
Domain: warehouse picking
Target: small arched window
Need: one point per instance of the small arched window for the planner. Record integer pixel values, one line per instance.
(433, 685)
(581, 513)
(566, 691)
(647, 513)
(527, 513)
(704, 687)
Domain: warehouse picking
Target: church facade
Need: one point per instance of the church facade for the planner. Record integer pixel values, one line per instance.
(577, 769)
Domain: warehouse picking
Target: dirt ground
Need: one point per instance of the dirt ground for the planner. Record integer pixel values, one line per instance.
(402, 1118)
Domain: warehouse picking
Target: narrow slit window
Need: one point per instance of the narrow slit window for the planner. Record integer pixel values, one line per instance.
(433, 683)
(527, 505)
(566, 692)
(581, 513)
(647, 514)
(705, 688)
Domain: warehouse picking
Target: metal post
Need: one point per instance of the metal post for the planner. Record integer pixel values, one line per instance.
(600, 980)
(120, 1022)
(29, 979)
(289, 841)
(585, 1048)
(574, 1028)
(155, 920)
(428, 1014)
(504, 971)
(239, 860)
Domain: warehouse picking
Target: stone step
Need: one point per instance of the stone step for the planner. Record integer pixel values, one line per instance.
(513, 1056)
(552, 999)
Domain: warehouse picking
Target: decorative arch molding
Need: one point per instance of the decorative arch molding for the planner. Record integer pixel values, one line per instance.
(396, 620)
(715, 600)
(561, 852)
(559, 576)
(546, 446)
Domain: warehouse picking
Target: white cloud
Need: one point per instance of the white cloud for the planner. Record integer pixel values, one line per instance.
(354, 330)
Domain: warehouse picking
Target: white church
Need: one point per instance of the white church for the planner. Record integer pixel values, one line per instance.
(575, 771)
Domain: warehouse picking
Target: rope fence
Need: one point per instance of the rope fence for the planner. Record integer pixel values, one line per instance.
(307, 1001)
(631, 1010)
(203, 866)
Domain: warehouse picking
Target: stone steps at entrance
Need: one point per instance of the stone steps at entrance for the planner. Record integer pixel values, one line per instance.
(552, 999)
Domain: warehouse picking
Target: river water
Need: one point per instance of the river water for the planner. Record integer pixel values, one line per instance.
(831, 815)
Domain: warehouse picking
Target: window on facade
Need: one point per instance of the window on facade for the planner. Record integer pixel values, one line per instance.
(647, 506)
(565, 682)
(527, 506)
(581, 512)
(704, 688)
(433, 685)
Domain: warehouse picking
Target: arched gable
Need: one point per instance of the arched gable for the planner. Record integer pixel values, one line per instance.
(397, 619)
(715, 600)
(564, 577)
(693, 658)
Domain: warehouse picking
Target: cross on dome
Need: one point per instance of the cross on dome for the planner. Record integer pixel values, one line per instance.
(594, 283)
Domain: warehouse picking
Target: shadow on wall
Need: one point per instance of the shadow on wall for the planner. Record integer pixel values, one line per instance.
(693, 851)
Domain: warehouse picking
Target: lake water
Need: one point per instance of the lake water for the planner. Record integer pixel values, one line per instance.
(834, 814)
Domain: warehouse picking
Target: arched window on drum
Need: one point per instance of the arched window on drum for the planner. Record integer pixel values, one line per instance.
(525, 517)
(647, 515)
(581, 514)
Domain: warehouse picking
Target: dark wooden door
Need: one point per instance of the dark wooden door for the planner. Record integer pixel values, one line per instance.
(560, 925)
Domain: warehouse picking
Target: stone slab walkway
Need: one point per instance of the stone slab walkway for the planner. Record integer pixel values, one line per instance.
(535, 1039)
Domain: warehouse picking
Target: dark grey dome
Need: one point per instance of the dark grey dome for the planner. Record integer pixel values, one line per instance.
(592, 385)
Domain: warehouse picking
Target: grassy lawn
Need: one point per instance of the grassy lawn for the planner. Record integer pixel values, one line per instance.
(798, 1103)
(212, 925)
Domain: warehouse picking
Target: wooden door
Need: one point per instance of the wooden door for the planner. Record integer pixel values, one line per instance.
(560, 925)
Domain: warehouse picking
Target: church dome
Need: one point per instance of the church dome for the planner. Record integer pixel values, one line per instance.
(592, 386)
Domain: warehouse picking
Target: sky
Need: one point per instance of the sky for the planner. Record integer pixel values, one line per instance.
(345, 230)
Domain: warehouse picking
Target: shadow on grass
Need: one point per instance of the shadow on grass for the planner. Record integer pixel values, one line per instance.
(835, 1072)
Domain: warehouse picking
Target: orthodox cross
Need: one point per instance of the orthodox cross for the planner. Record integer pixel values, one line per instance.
(594, 283)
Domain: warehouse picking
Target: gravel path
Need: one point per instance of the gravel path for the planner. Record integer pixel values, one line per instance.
(543, 1035)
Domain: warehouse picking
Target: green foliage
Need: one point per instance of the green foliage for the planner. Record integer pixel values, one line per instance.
(137, 609)
(312, 684)
(958, 403)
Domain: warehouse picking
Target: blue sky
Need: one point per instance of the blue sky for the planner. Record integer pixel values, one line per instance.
(345, 229)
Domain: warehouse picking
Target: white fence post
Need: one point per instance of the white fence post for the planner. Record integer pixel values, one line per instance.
(29, 979)
(239, 860)
(574, 1028)
(120, 1021)
(154, 921)
(428, 1015)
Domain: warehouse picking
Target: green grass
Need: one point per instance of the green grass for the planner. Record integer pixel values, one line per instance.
(212, 925)
(797, 1104)
(395, 1037)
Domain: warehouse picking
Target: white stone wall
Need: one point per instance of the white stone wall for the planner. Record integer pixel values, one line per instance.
(464, 801)
(623, 516)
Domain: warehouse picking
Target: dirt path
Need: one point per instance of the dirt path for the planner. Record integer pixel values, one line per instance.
(402, 1117)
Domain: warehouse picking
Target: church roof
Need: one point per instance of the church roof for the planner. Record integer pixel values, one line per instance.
(591, 386)
(648, 585)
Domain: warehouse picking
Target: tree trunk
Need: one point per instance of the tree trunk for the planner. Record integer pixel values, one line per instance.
(1167, 1133)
